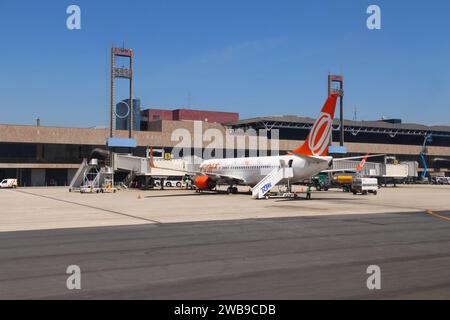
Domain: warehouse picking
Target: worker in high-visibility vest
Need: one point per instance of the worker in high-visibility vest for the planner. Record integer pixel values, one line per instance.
(308, 192)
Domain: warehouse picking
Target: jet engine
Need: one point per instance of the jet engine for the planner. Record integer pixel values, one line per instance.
(205, 183)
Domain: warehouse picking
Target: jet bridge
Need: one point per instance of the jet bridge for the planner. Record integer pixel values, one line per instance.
(127, 162)
(141, 166)
(86, 175)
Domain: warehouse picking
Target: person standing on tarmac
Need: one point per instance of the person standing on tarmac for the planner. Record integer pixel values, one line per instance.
(308, 192)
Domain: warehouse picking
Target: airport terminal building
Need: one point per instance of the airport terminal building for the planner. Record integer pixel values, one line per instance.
(49, 156)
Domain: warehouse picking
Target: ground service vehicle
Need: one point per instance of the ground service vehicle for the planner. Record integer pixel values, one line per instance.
(365, 185)
(440, 180)
(174, 181)
(8, 183)
(321, 182)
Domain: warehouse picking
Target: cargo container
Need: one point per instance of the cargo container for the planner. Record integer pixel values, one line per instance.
(413, 170)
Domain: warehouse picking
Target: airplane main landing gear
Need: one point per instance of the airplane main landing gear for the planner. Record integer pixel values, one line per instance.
(232, 190)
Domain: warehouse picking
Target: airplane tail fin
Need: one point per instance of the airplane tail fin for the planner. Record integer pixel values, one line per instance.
(151, 162)
(361, 165)
(318, 140)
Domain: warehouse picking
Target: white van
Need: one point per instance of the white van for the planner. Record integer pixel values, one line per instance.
(8, 183)
(365, 185)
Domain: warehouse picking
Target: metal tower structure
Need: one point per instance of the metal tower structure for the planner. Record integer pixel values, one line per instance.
(423, 154)
(332, 81)
(121, 73)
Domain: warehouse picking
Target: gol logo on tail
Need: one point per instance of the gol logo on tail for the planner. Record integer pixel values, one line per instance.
(320, 135)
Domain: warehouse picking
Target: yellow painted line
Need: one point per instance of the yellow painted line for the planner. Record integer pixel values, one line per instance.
(437, 215)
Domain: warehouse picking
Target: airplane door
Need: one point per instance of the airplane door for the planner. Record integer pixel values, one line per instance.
(290, 163)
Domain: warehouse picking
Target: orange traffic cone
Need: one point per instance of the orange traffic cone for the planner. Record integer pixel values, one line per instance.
(139, 197)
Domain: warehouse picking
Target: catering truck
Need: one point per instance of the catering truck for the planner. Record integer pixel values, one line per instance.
(8, 183)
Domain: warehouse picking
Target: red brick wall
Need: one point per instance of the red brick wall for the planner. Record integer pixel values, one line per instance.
(192, 115)
(207, 116)
(159, 114)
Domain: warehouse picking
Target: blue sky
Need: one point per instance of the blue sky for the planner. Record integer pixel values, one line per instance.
(255, 57)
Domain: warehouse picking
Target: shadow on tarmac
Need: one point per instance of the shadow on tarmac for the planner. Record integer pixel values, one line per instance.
(196, 194)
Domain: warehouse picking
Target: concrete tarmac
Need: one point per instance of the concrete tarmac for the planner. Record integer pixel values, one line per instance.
(321, 257)
(56, 208)
(180, 245)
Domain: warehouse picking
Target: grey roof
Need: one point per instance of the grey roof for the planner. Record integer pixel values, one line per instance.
(348, 123)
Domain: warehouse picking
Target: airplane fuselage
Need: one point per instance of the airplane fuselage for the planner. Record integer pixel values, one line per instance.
(252, 170)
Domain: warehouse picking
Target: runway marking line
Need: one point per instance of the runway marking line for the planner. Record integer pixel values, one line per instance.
(88, 206)
(430, 212)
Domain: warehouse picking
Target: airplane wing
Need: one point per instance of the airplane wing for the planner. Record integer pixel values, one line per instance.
(358, 168)
(224, 178)
(307, 158)
(359, 157)
(340, 170)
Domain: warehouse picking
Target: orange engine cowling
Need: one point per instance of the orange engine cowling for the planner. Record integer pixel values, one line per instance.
(204, 183)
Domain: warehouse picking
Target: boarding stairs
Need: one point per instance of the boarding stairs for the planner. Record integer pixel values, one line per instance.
(78, 178)
(91, 177)
(271, 180)
(126, 183)
(91, 180)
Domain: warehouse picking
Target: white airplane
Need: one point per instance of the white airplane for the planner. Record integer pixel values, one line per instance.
(308, 160)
